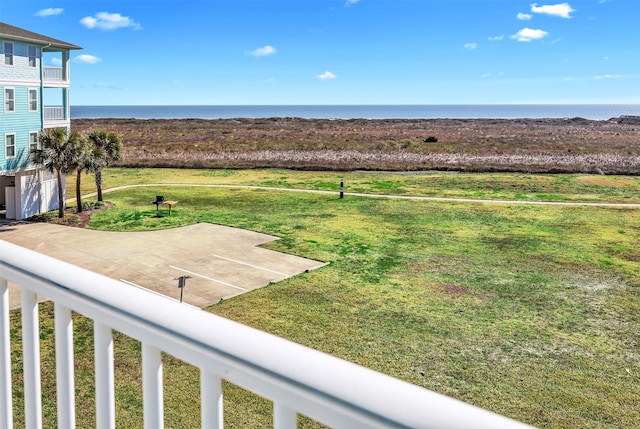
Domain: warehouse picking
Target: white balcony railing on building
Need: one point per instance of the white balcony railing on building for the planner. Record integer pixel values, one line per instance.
(52, 113)
(297, 379)
(53, 73)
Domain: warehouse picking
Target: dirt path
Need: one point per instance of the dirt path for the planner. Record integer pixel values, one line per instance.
(401, 197)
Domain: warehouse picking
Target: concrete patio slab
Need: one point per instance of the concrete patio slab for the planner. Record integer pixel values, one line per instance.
(220, 261)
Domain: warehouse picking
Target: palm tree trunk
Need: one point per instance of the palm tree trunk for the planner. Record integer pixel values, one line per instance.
(99, 184)
(78, 196)
(60, 194)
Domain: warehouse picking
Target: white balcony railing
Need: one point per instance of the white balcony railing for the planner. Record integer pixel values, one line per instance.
(52, 113)
(297, 379)
(53, 73)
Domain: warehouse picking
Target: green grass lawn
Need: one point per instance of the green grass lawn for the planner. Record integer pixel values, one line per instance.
(528, 311)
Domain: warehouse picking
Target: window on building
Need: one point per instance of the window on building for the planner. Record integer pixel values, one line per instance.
(33, 141)
(32, 52)
(8, 53)
(33, 100)
(10, 146)
(9, 100)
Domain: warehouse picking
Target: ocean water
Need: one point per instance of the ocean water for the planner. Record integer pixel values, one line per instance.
(496, 111)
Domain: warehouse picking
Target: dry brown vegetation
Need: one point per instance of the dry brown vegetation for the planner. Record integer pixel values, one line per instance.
(525, 145)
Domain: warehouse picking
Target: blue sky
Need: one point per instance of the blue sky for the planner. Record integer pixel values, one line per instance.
(343, 51)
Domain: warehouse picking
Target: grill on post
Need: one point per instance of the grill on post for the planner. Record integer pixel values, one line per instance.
(159, 200)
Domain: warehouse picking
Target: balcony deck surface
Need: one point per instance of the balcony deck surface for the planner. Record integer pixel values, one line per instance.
(221, 261)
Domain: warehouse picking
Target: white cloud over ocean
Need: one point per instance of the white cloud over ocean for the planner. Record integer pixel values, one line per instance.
(109, 21)
(263, 52)
(529, 34)
(52, 11)
(562, 10)
(86, 59)
(326, 76)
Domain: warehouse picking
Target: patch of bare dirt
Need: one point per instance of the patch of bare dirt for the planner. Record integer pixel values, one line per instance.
(74, 219)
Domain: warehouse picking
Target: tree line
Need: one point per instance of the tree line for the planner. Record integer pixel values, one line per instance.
(63, 153)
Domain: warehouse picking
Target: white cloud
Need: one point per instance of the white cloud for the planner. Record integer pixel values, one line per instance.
(529, 34)
(49, 12)
(496, 38)
(263, 52)
(607, 76)
(86, 59)
(562, 10)
(524, 16)
(56, 62)
(326, 76)
(351, 2)
(109, 21)
(470, 46)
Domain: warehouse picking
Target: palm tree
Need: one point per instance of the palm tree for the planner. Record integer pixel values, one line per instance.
(107, 148)
(56, 155)
(82, 154)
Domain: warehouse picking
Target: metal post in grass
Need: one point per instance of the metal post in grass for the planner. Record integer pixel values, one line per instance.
(341, 188)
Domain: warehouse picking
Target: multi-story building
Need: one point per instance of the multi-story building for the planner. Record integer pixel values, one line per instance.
(34, 97)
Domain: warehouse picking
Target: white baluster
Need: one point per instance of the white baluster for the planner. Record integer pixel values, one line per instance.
(105, 402)
(31, 360)
(284, 417)
(211, 401)
(64, 367)
(6, 411)
(152, 387)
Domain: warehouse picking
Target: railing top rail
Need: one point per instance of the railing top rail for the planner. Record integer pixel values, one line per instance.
(340, 393)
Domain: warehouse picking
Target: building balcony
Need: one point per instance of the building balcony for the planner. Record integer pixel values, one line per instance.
(55, 113)
(298, 380)
(55, 116)
(55, 77)
(54, 74)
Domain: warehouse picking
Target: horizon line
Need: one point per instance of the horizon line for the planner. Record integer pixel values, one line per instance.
(372, 105)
